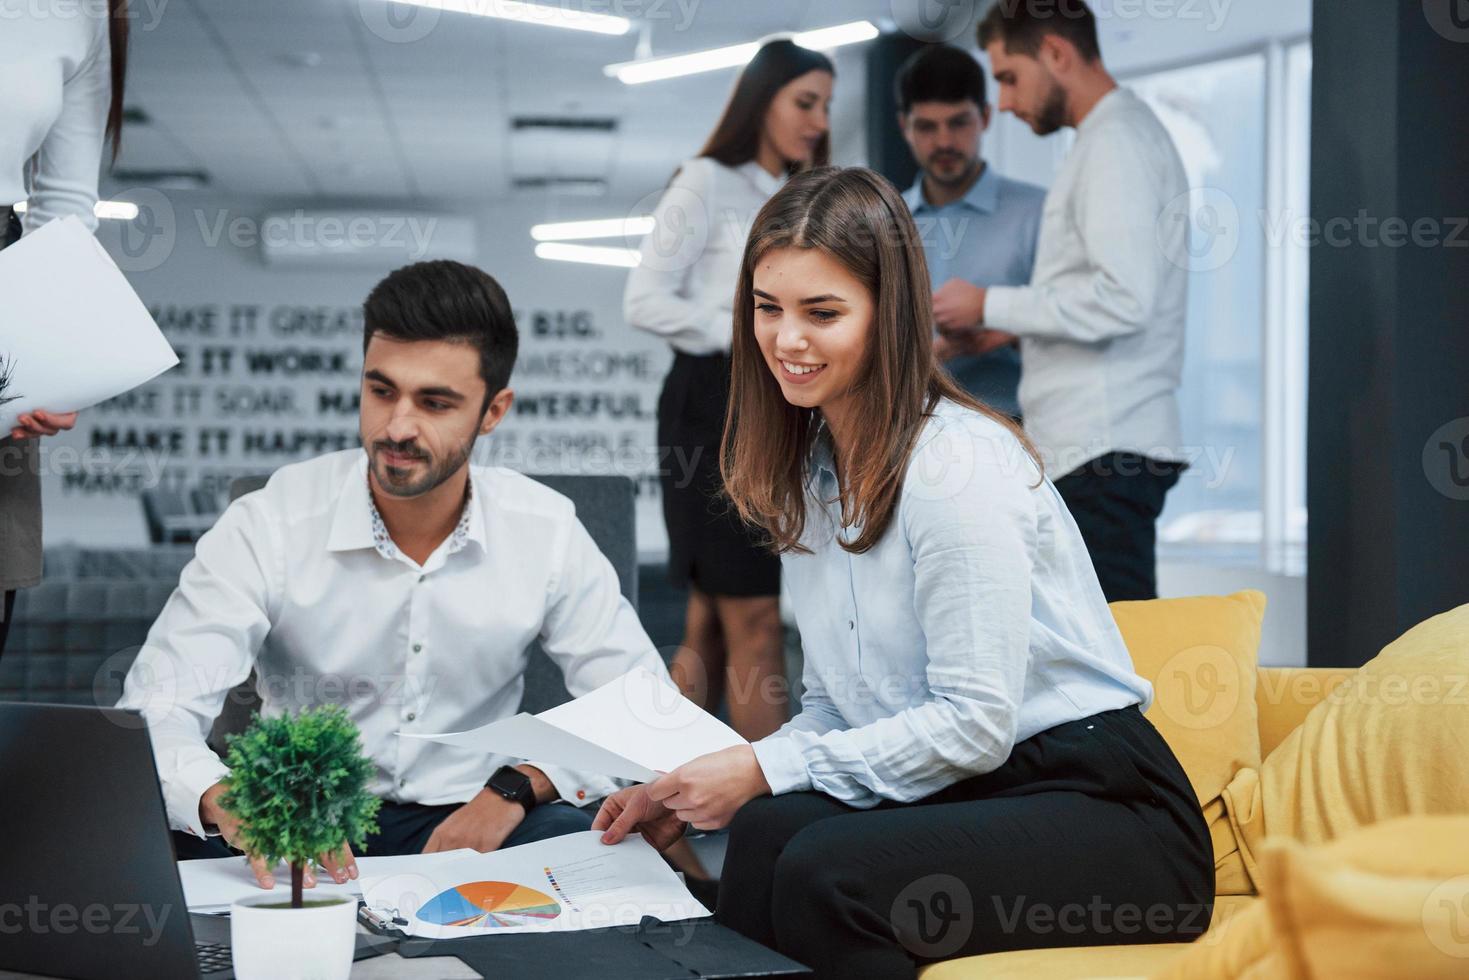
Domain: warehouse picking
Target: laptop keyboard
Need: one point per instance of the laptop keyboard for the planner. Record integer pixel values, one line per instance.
(213, 957)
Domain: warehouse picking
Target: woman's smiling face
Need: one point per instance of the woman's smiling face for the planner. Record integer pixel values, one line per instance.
(812, 320)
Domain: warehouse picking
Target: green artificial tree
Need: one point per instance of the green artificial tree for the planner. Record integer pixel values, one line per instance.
(298, 785)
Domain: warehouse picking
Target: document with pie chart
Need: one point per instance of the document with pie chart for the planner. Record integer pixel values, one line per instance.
(563, 884)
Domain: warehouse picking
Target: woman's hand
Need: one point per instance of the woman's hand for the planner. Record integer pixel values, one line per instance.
(708, 791)
(40, 423)
(632, 811)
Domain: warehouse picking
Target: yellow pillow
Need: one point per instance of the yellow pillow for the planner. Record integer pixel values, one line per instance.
(1393, 741)
(1387, 901)
(1200, 654)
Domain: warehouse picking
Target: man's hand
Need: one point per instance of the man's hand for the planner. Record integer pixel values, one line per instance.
(708, 791)
(630, 811)
(958, 305)
(340, 865)
(38, 423)
(972, 341)
(483, 824)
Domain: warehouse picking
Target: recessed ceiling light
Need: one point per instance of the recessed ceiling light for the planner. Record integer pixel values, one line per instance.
(531, 13)
(626, 258)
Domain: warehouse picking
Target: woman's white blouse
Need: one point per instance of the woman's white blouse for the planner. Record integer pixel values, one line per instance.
(974, 623)
(683, 287)
(55, 76)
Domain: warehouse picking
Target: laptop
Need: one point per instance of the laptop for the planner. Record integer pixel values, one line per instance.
(88, 883)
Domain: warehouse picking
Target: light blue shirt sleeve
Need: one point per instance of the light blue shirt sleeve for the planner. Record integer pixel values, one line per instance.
(973, 539)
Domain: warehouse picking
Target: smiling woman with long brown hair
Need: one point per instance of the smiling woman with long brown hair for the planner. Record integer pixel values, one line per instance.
(971, 738)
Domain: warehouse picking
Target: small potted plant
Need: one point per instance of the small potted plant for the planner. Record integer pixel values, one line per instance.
(298, 785)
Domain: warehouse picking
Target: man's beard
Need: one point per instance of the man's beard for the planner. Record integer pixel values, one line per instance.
(1052, 115)
(963, 175)
(438, 470)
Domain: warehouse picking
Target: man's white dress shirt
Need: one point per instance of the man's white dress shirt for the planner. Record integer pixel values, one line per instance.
(683, 287)
(300, 582)
(1101, 325)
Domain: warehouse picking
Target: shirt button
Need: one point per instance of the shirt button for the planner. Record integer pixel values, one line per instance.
(418, 648)
(402, 783)
(421, 578)
(412, 715)
(851, 625)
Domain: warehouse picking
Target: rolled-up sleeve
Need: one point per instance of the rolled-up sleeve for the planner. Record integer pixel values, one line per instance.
(201, 646)
(973, 546)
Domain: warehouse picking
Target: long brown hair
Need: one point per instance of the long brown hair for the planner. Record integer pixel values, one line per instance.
(857, 217)
(736, 137)
(117, 41)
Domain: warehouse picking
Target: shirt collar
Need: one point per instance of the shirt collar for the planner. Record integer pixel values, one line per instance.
(763, 179)
(983, 195)
(358, 524)
(1112, 100)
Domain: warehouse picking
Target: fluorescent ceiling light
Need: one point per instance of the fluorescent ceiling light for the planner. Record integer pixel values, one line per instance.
(627, 258)
(532, 13)
(112, 210)
(601, 228)
(674, 66)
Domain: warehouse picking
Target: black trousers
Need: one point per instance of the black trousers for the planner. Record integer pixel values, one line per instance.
(1089, 834)
(1115, 500)
(404, 828)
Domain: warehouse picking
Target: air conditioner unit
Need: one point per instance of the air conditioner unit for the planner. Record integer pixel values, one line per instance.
(380, 239)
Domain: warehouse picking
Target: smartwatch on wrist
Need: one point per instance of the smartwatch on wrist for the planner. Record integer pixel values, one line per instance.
(514, 785)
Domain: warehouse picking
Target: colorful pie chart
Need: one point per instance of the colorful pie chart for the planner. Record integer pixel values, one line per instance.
(489, 905)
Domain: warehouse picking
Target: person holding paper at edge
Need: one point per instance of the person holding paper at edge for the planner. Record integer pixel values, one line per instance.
(404, 583)
(51, 141)
(971, 733)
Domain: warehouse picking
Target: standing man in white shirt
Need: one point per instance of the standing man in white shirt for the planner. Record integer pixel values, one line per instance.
(1101, 325)
(403, 583)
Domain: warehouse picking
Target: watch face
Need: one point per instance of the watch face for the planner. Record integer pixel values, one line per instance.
(510, 783)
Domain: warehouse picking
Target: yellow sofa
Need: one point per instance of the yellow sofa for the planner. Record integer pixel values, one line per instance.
(1283, 698)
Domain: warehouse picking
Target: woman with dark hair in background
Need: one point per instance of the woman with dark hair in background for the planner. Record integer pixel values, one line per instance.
(775, 124)
(971, 743)
(62, 67)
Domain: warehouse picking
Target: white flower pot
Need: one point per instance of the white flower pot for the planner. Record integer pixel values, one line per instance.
(314, 942)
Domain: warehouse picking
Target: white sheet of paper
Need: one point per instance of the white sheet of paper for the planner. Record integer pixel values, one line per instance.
(559, 885)
(213, 885)
(631, 728)
(72, 331)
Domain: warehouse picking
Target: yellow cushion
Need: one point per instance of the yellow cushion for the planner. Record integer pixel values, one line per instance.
(1393, 741)
(1386, 901)
(1200, 654)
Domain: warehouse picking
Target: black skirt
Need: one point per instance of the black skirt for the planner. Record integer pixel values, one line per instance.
(709, 546)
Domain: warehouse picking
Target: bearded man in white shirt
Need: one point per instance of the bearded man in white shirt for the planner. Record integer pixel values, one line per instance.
(1101, 325)
(403, 583)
